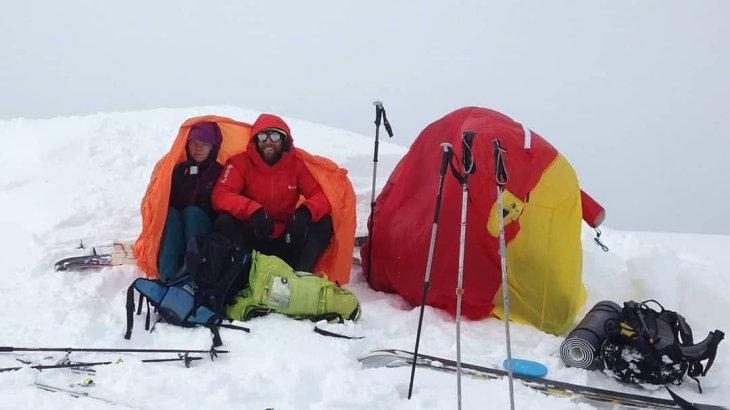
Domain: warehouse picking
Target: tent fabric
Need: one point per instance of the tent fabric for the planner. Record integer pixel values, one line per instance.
(544, 261)
(542, 213)
(336, 259)
(593, 212)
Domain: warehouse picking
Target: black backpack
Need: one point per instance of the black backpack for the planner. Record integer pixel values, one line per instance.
(219, 268)
(645, 345)
(215, 270)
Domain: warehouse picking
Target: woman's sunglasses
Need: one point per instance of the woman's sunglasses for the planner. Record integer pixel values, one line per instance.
(273, 135)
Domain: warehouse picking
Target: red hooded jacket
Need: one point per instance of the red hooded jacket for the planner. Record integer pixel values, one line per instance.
(248, 183)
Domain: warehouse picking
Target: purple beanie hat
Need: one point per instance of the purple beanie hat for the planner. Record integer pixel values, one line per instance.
(207, 132)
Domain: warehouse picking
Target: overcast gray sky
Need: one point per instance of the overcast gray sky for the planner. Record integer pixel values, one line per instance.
(634, 93)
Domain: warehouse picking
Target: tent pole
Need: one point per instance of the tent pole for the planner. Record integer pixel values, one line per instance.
(447, 152)
(468, 168)
(501, 179)
(379, 114)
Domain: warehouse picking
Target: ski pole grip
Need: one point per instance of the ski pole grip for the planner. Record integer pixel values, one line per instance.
(500, 172)
(497, 154)
(378, 112)
(6, 349)
(467, 139)
(446, 157)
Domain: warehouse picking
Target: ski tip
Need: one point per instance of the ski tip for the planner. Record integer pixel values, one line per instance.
(382, 358)
(526, 367)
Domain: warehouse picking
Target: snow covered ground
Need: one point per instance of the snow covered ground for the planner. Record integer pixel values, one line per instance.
(72, 178)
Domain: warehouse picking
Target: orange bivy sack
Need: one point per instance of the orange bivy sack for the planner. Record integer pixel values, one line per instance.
(335, 261)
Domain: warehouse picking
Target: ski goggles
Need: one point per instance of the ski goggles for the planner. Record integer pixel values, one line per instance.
(273, 135)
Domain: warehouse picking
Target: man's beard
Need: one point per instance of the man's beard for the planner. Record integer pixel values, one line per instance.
(276, 156)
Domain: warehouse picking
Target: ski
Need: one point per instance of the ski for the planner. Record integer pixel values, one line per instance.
(78, 390)
(96, 261)
(73, 389)
(400, 358)
(121, 254)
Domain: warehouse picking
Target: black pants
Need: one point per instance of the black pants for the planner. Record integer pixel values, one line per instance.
(301, 256)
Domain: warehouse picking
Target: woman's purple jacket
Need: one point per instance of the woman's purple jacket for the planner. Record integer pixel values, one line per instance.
(190, 188)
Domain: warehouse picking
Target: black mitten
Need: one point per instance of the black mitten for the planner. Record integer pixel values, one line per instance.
(262, 225)
(298, 226)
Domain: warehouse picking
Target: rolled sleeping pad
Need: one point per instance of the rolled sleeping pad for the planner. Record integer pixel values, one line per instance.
(580, 349)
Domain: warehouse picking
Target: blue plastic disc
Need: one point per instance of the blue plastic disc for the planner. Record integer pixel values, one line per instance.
(526, 367)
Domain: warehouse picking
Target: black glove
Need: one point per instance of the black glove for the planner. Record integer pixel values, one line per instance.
(298, 226)
(262, 225)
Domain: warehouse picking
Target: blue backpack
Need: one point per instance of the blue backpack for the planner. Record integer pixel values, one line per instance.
(215, 270)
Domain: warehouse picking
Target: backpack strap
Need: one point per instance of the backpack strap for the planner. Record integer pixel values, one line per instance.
(130, 311)
(139, 311)
(706, 349)
(685, 332)
(230, 326)
(324, 332)
(216, 335)
(681, 402)
(717, 337)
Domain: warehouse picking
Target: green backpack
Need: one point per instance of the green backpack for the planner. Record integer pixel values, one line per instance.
(275, 287)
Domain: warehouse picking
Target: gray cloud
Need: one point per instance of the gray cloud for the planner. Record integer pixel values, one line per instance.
(633, 93)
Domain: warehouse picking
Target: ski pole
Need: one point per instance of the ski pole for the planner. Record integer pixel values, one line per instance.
(447, 148)
(468, 168)
(7, 349)
(72, 365)
(379, 114)
(500, 174)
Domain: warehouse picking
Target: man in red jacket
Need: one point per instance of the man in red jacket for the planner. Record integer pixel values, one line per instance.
(258, 193)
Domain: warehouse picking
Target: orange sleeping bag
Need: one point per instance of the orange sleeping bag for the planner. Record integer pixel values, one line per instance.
(335, 261)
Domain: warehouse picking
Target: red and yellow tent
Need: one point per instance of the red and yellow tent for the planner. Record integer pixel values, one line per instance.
(336, 261)
(542, 209)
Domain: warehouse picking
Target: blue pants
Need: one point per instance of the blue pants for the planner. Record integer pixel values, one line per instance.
(180, 227)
